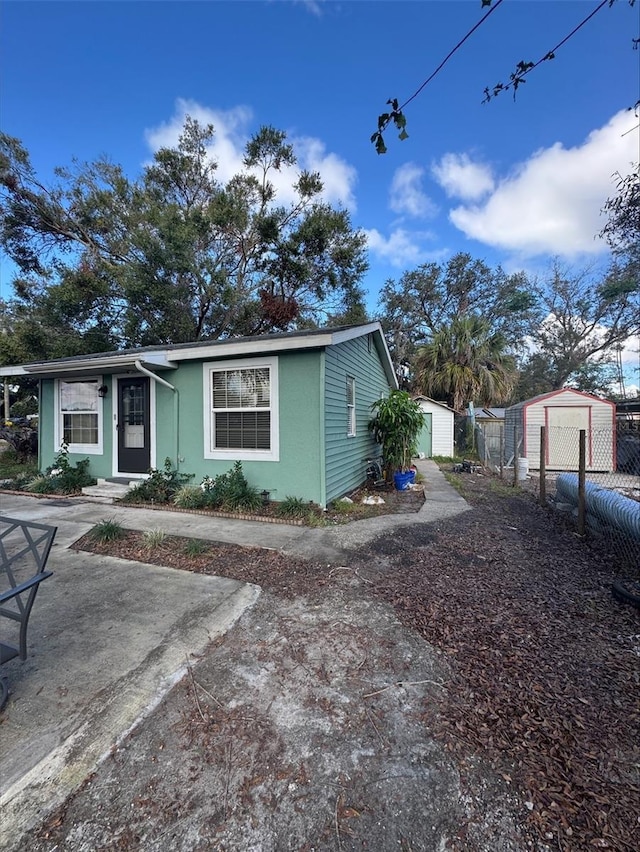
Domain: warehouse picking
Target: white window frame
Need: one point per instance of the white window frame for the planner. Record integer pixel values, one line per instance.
(83, 449)
(210, 452)
(351, 407)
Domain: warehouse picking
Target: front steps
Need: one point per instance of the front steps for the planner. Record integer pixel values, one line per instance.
(108, 490)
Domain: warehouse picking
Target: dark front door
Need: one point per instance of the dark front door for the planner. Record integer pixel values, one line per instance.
(134, 432)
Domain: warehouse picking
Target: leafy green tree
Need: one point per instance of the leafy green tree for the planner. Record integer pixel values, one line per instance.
(466, 361)
(586, 319)
(622, 230)
(429, 298)
(177, 255)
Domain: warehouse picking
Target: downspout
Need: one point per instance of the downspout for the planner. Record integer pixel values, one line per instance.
(155, 378)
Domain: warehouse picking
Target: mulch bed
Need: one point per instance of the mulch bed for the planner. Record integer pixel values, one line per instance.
(545, 662)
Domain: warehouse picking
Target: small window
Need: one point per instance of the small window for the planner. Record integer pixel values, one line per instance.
(241, 408)
(351, 406)
(79, 421)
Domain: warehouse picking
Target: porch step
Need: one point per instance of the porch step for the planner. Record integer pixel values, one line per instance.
(108, 489)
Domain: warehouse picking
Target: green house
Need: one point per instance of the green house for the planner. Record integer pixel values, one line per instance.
(292, 407)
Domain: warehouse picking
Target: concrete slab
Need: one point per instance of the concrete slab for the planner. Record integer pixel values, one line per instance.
(108, 638)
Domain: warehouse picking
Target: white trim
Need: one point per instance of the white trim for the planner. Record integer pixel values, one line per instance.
(352, 423)
(114, 421)
(58, 433)
(236, 454)
(280, 344)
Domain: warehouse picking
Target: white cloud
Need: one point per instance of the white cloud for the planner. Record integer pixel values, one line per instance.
(551, 203)
(406, 195)
(462, 178)
(402, 248)
(232, 130)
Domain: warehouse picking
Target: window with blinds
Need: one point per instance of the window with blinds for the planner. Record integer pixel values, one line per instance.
(241, 408)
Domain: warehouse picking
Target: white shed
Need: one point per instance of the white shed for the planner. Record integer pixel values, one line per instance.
(564, 413)
(436, 437)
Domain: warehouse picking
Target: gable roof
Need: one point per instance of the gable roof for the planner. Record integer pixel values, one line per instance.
(168, 357)
(435, 402)
(550, 394)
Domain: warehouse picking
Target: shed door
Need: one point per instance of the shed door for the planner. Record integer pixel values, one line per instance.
(563, 430)
(425, 441)
(134, 433)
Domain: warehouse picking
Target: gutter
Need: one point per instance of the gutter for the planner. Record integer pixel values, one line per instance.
(141, 369)
(176, 414)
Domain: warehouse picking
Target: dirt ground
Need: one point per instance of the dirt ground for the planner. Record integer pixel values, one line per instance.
(466, 685)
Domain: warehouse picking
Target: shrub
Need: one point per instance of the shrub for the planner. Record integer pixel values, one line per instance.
(106, 530)
(195, 547)
(41, 485)
(231, 491)
(160, 487)
(22, 438)
(153, 538)
(65, 477)
(190, 497)
(293, 507)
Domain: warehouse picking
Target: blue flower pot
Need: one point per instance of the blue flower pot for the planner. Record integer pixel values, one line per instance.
(402, 480)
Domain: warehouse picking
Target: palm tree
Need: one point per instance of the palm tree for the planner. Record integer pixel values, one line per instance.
(465, 361)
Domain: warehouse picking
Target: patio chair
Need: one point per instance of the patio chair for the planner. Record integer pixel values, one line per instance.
(24, 550)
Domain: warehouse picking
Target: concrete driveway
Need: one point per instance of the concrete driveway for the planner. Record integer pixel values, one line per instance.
(108, 637)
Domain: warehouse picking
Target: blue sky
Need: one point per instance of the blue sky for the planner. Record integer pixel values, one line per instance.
(512, 183)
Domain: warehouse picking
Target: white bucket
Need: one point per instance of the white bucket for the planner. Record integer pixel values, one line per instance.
(522, 469)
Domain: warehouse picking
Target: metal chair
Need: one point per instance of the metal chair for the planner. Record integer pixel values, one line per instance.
(24, 550)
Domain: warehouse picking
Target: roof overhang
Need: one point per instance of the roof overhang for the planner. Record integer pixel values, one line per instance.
(169, 358)
(111, 363)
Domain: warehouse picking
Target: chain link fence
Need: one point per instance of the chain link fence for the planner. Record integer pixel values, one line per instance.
(592, 475)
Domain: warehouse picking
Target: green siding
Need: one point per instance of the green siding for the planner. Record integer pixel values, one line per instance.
(99, 465)
(317, 460)
(299, 471)
(345, 456)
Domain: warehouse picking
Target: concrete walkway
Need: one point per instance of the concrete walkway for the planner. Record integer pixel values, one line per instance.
(109, 637)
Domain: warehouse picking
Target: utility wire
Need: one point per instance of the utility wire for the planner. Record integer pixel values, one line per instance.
(451, 52)
(522, 72)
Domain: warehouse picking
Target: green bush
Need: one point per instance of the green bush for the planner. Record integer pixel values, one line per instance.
(106, 530)
(195, 547)
(160, 487)
(231, 491)
(153, 538)
(190, 497)
(293, 507)
(61, 477)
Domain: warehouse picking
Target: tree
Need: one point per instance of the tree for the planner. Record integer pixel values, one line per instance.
(176, 255)
(622, 230)
(429, 298)
(466, 361)
(586, 318)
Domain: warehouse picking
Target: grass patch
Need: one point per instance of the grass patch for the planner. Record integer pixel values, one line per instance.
(502, 489)
(456, 482)
(106, 530)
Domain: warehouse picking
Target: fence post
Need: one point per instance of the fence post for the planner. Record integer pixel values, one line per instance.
(515, 455)
(582, 456)
(502, 451)
(543, 465)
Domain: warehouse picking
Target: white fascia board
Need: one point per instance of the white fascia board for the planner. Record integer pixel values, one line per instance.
(17, 370)
(75, 365)
(235, 348)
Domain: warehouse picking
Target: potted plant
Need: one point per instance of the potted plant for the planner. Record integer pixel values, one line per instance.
(396, 424)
